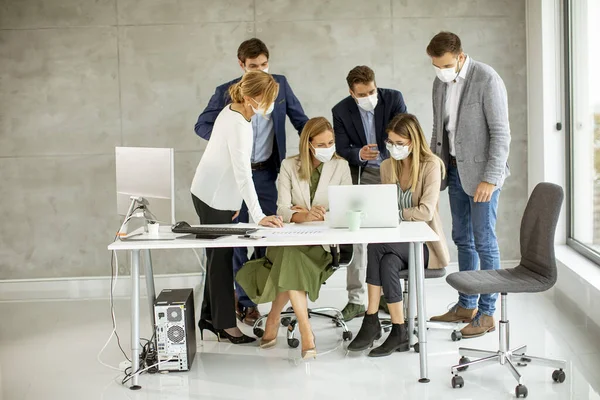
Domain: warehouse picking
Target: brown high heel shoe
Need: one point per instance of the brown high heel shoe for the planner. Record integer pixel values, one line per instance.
(312, 352)
(267, 344)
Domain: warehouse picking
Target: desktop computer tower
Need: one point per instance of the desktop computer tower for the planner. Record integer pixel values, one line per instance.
(175, 329)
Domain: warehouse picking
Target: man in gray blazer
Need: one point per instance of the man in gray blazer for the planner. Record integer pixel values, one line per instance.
(471, 134)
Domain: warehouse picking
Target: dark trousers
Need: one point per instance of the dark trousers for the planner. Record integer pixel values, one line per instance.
(266, 189)
(218, 304)
(385, 261)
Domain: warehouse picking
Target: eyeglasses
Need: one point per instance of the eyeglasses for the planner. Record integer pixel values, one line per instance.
(388, 141)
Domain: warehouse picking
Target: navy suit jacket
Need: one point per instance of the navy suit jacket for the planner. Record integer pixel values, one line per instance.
(348, 127)
(285, 104)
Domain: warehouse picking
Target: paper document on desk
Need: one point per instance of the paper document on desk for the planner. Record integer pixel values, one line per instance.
(293, 230)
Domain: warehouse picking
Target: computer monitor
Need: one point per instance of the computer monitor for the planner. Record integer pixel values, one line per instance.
(379, 203)
(147, 173)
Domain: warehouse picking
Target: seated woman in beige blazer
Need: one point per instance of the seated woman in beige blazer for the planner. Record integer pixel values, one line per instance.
(293, 273)
(417, 172)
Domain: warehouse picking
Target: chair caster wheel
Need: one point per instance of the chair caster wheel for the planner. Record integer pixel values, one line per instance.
(521, 391)
(457, 382)
(347, 336)
(258, 332)
(463, 360)
(416, 347)
(559, 376)
(285, 321)
(456, 336)
(293, 343)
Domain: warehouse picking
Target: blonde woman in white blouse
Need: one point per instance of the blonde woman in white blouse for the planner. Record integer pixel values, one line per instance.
(223, 180)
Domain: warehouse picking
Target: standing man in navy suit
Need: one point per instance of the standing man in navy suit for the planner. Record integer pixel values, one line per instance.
(268, 152)
(359, 124)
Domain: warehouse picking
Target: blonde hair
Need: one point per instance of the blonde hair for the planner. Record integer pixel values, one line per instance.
(254, 84)
(407, 126)
(314, 126)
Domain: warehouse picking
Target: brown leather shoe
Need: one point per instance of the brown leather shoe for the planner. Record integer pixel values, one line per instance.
(480, 325)
(251, 316)
(456, 314)
(239, 312)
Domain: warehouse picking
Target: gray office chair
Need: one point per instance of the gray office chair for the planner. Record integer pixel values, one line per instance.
(386, 323)
(341, 258)
(535, 273)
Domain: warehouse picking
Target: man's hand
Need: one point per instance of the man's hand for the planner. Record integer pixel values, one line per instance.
(484, 192)
(369, 152)
(237, 214)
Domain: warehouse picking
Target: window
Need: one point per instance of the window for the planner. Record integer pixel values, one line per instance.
(583, 77)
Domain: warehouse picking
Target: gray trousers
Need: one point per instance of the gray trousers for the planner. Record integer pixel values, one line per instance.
(356, 273)
(385, 261)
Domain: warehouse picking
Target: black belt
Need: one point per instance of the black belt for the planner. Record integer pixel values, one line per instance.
(453, 161)
(260, 165)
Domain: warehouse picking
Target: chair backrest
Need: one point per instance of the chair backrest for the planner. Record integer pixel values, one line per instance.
(538, 227)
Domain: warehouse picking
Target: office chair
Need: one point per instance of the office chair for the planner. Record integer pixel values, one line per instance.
(341, 258)
(535, 273)
(386, 323)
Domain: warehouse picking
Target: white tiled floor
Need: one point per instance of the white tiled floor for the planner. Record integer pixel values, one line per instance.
(48, 351)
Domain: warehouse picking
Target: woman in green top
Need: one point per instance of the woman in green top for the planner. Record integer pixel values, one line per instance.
(295, 273)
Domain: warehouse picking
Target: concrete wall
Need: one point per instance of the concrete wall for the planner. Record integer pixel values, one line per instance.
(79, 77)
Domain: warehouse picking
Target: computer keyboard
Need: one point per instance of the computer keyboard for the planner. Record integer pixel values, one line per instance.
(209, 232)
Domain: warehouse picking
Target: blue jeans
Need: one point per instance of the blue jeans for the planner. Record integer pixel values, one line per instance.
(266, 189)
(474, 233)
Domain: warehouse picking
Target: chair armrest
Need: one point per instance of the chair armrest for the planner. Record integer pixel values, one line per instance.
(335, 263)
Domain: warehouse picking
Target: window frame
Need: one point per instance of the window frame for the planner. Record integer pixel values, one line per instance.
(575, 244)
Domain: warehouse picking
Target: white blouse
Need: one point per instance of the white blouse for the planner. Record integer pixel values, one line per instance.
(224, 175)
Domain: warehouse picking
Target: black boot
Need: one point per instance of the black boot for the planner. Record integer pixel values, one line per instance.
(369, 332)
(396, 341)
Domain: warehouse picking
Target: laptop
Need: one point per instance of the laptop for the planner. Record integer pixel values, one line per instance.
(379, 203)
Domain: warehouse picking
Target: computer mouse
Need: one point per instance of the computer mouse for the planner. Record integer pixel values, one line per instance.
(181, 224)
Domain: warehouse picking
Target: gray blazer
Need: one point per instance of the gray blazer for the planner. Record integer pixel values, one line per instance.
(482, 137)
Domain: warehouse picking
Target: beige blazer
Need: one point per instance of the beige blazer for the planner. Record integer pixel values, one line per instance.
(296, 192)
(425, 201)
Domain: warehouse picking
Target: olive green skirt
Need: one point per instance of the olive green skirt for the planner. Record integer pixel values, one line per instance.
(302, 268)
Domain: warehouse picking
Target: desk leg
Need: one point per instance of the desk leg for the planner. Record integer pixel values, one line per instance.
(421, 316)
(412, 296)
(135, 317)
(150, 286)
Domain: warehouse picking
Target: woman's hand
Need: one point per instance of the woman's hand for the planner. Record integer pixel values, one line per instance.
(317, 213)
(237, 214)
(299, 209)
(272, 221)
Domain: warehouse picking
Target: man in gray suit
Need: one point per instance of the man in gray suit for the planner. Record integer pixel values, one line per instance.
(471, 134)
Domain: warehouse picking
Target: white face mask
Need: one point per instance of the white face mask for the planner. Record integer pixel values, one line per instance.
(398, 152)
(262, 111)
(266, 70)
(447, 74)
(324, 154)
(367, 103)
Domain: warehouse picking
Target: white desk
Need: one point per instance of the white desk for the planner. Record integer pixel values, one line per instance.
(409, 232)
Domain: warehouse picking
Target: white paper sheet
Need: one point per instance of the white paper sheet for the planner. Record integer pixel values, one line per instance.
(294, 230)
